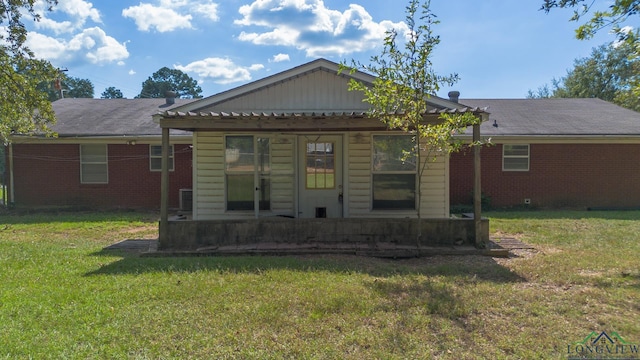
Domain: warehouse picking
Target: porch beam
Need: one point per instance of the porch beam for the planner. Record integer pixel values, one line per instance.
(164, 189)
(273, 124)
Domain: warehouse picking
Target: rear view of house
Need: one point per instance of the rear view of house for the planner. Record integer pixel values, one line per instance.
(299, 145)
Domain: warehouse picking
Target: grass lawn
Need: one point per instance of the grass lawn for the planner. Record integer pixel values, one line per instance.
(62, 296)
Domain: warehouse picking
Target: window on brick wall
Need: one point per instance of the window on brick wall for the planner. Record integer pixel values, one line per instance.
(515, 157)
(93, 164)
(155, 158)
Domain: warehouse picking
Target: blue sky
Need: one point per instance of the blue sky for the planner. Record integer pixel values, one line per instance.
(499, 48)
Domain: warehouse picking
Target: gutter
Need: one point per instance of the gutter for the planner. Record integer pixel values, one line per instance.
(103, 139)
(557, 139)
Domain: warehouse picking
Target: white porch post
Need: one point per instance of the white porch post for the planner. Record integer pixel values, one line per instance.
(164, 189)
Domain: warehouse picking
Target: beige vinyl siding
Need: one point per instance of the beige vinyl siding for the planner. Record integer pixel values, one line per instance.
(208, 193)
(435, 188)
(359, 174)
(318, 91)
(282, 175)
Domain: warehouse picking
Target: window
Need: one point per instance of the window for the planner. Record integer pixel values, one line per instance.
(155, 158)
(247, 173)
(515, 157)
(320, 171)
(93, 164)
(394, 172)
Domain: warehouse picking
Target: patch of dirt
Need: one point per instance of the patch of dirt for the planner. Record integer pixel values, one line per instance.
(139, 229)
(501, 235)
(590, 273)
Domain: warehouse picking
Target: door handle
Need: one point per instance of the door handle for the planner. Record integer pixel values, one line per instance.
(340, 198)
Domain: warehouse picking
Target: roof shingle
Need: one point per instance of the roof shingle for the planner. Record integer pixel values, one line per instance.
(556, 117)
(111, 117)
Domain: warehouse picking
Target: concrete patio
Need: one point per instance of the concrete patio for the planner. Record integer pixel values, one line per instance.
(497, 247)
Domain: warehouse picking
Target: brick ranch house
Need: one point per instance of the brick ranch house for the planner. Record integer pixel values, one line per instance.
(547, 153)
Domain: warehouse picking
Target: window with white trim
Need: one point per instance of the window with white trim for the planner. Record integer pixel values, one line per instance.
(247, 172)
(515, 157)
(93, 164)
(394, 172)
(155, 158)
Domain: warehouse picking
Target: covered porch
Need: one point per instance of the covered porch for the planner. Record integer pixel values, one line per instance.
(362, 229)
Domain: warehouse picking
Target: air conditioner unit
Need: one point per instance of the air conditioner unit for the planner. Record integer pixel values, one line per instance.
(186, 199)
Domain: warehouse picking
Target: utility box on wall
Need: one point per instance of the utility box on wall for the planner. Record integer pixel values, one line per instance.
(186, 199)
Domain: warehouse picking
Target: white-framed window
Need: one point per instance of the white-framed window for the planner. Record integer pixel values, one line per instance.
(247, 172)
(515, 157)
(94, 164)
(155, 158)
(394, 172)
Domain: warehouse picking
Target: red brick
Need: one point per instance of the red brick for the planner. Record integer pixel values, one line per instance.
(49, 175)
(560, 176)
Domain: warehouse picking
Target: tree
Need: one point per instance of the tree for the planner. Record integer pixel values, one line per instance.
(23, 107)
(67, 87)
(606, 74)
(77, 88)
(616, 15)
(167, 79)
(111, 93)
(404, 80)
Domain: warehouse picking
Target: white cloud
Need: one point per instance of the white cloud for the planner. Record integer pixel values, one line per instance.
(78, 12)
(132, 72)
(170, 15)
(275, 37)
(147, 16)
(58, 27)
(46, 47)
(309, 25)
(92, 44)
(280, 58)
(209, 10)
(79, 9)
(219, 70)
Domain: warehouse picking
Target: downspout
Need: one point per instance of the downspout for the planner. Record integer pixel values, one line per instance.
(11, 191)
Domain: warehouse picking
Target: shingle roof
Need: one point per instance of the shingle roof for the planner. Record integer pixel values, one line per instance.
(111, 117)
(556, 117)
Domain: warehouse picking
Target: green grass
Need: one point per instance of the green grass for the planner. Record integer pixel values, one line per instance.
(63, 296)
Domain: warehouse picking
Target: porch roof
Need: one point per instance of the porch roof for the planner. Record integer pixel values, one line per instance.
(287, 121)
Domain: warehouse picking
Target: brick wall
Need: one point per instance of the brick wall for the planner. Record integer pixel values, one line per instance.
(560, 176)
(49, 175)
